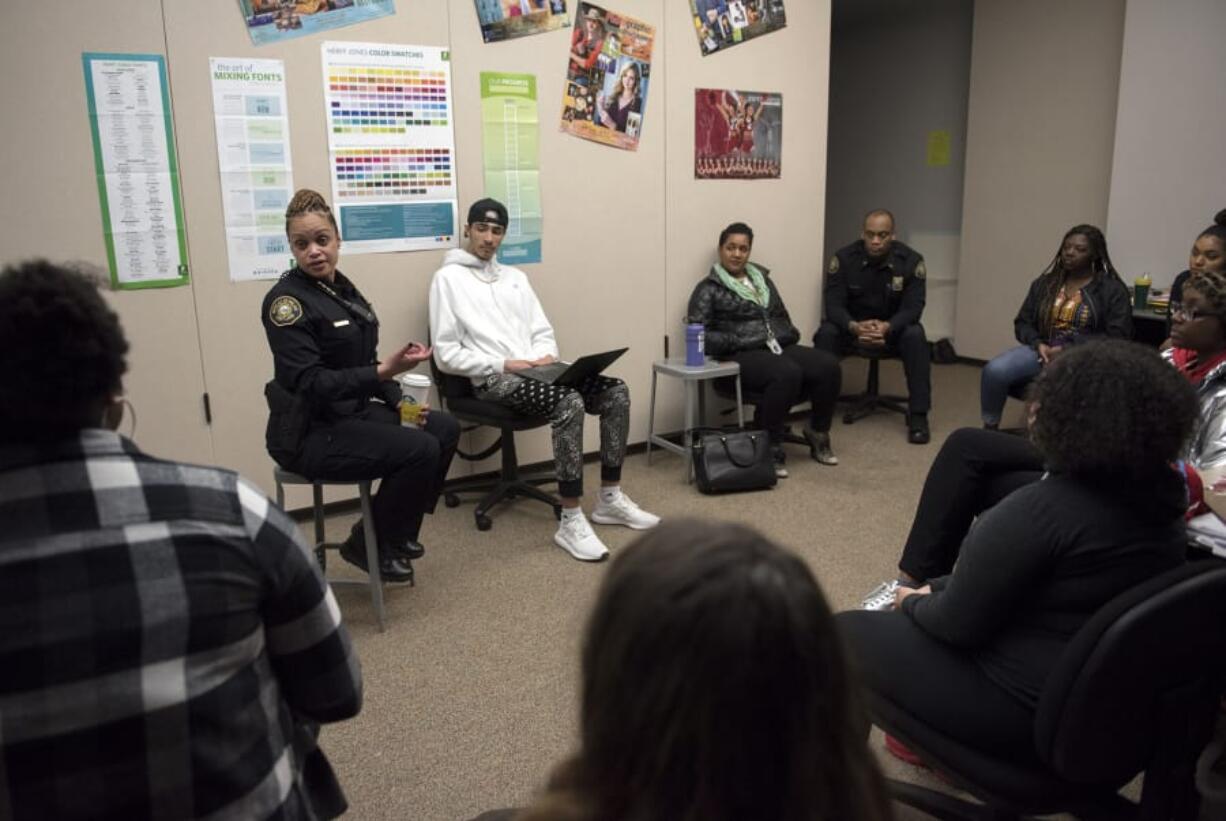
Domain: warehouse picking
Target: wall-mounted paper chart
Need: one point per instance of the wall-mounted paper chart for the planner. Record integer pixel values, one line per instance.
(138, 177)
(249, 108)
(510, 136)
(391, 145)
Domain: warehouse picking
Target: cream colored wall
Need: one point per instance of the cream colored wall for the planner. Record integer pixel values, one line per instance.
(627, 234)
(1040, 130)
(50, 208)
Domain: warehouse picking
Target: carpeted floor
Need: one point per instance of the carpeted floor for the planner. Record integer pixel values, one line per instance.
(471, 692)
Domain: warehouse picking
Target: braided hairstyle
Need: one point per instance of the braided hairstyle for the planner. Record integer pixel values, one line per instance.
(1054, 276)
(306, 201)
(1211, 285)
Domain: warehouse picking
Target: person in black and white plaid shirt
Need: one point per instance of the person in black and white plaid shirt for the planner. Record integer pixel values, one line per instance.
(168, 645)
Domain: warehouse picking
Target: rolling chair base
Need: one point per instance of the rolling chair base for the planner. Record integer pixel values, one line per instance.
(500, 490)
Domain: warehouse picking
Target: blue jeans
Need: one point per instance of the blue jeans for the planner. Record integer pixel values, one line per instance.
(1010, 371)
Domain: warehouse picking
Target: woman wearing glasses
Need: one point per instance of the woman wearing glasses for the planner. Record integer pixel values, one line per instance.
(1079, 297)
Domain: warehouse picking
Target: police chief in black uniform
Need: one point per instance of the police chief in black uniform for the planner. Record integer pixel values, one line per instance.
(874, 297)
(324, 337)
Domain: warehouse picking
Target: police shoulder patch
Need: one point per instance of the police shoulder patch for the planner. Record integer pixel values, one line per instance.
(921, 271)
(285, 310)
(833, 267)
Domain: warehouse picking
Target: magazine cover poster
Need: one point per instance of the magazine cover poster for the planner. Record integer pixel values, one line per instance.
(271, 21)
(508, 19)
(721, 24)
(737, 134)
(607, 77)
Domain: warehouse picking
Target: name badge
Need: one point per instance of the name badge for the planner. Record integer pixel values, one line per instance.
(340, 323)
(896, 283)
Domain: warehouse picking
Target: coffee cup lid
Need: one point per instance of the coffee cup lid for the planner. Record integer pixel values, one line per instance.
(414, 380)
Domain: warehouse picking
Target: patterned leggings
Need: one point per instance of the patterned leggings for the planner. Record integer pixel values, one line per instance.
(564, 407)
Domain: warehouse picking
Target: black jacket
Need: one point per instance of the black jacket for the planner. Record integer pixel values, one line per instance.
(322, 349)
(1110, 312)
(734, 324)
(858, 289)
(1037, 566)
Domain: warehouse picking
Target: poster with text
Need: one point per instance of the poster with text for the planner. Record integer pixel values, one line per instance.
(607, 77)
(391, 145)
(511, 144)
(270, 21)
(250, 111)
(136, 169)
(508, 19)
(738, 135)
(721, 24)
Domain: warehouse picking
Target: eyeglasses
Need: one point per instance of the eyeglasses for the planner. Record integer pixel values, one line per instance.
(1182, 314)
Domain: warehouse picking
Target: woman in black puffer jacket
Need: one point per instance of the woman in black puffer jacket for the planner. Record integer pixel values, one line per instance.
(746, 322)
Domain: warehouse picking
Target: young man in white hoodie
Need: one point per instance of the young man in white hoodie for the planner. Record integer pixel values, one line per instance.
(487, 324)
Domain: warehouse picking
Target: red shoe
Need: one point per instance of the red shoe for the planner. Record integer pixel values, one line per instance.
(903, 753)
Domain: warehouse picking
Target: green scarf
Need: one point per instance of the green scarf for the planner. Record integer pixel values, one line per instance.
(752, 288)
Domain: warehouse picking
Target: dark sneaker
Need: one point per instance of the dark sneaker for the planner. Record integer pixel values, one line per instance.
(408, 549)
(819, 446)
(917, 429)
(781, 463)
(390, 569)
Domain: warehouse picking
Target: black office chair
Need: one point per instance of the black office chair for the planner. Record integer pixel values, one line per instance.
(871, 400)
(456, 392)
(1137, 690)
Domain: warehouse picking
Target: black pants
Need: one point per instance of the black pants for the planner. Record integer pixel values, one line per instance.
(909, 343)
(941, 686)
(974, 470)
(411, 462)
(786, 379)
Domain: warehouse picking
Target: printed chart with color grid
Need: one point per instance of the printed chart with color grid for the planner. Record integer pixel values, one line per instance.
(382, 172)
(370, 100)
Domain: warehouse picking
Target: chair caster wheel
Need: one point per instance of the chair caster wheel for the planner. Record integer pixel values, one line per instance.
(451, 500)
(321, 558)
(557, 512)
(484, 523)
(848, 419)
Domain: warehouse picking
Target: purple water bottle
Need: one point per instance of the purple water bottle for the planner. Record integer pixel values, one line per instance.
(694, 356)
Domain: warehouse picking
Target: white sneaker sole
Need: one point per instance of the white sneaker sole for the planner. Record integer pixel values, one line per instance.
(609, 520)
(562, 544)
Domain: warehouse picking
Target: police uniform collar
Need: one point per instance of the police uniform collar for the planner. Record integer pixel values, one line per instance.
(888, 260)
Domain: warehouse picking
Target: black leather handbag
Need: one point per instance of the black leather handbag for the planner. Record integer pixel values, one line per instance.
(728, 461)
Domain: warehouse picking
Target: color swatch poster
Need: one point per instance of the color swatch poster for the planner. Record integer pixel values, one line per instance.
(512, 160)
(253, 156)
(508, 19)
(271, 21)
(138, 176)
(721, 24)
(738, 135)
(391, 145)
(607, 77)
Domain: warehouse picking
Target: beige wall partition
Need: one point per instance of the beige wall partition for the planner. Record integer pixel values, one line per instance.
(626, 233)
(50, 208)
(1040, 128)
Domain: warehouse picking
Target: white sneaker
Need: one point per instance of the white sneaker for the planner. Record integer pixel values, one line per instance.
(882, 597)
(575, 536)
(623, 511)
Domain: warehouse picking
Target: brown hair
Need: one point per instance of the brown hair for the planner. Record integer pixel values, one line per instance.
(715, 687)
(1212, 286)
(306, 201)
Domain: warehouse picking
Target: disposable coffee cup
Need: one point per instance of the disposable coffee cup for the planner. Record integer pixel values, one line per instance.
(415, 393)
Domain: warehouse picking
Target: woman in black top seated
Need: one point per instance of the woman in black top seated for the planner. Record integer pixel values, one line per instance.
(324, 336)
(1208, 254)
(714, 687)
(1078, 298)
(746, 322)
(969, 653)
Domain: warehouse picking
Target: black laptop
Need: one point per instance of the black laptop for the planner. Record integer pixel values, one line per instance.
(569, 374)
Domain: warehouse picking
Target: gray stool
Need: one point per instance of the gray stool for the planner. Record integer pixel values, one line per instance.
(694, 377)
(282, 477)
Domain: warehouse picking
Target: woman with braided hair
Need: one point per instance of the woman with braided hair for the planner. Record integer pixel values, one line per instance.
(1078, 297)
(1198, 339)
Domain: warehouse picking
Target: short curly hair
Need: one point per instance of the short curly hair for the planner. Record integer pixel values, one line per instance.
(1112, 407)
(64, 352)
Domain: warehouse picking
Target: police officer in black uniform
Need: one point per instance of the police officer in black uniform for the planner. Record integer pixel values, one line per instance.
(324, 337)
(874, 297)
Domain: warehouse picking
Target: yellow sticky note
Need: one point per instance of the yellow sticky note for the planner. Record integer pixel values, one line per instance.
(938, 148)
